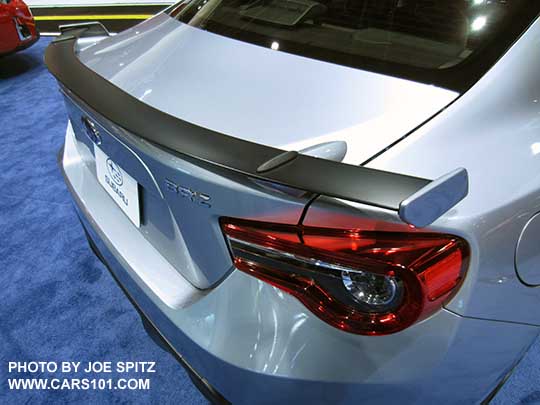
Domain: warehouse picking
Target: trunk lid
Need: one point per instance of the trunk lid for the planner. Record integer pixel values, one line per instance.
(180, 199)
(245, 91)
(261, 95)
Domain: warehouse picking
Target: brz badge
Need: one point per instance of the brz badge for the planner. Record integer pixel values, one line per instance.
(194, 196)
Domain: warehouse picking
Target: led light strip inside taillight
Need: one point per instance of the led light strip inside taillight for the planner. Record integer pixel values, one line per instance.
(363, 282)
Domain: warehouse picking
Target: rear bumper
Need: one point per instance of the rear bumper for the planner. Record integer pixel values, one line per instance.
(206, 389)
(13, 42)
(27, 43)
(258, 345)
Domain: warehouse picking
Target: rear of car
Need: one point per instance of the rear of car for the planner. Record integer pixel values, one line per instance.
(17, 27)
(274, 282)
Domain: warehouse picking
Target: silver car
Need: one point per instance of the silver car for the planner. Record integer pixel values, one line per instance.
(317, 202)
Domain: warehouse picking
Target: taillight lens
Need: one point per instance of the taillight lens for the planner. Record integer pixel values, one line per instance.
(363, 282)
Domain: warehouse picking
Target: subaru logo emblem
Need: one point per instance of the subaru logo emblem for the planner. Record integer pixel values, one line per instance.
(115, 172)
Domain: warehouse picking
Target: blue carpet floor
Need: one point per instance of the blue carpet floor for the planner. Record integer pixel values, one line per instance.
(57, 301)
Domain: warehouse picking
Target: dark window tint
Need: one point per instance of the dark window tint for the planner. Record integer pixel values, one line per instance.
(423, 40)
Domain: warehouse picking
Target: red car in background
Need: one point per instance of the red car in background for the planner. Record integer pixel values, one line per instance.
(17, 27)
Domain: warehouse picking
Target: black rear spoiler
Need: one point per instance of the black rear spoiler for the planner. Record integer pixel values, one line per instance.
(418, 201)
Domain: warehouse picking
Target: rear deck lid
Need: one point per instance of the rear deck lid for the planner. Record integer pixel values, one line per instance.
(260, 94)
(212, 176)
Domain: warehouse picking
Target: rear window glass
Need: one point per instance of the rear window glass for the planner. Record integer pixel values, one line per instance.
(424, 40)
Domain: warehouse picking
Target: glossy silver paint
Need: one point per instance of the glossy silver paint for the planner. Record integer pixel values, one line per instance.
(333, 150)
(255, 343)
(493, 131)
(259, 345)
(219, 86)
(187, 235)
(528, 253)
(425, 206)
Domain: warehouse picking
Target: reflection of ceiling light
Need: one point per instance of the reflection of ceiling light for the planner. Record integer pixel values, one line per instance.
(478, 2)
(479, 23)
(275, 46)
(535, 148)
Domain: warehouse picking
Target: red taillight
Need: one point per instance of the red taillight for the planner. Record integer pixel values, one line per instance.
(364, 282)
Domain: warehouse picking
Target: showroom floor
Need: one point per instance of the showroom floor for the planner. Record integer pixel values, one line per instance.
(58, 302)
